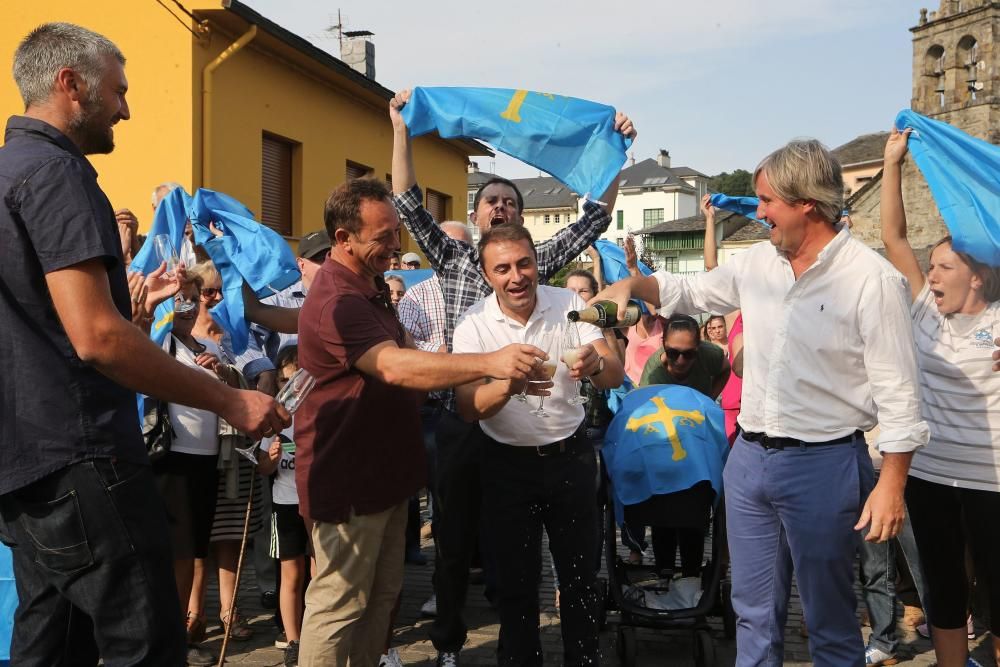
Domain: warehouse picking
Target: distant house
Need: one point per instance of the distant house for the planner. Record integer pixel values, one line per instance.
(861, 159)
(678, 246)
(652, 192)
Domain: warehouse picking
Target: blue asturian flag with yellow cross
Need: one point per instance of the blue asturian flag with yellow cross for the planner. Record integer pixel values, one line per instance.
(665, 438)
(572, 139)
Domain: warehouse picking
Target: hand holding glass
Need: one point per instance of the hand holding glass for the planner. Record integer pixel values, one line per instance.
(571, 351)
(290, 397)
(549, 371)
(165, 252)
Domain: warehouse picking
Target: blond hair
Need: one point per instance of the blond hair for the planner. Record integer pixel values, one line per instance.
(204, 272)
(804, 170)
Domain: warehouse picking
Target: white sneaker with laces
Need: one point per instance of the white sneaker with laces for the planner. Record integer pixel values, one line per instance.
(447, 659)
(430, 608)
(876, 656)
(390, 659)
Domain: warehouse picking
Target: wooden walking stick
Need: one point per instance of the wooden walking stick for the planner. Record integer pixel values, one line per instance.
(239, 570)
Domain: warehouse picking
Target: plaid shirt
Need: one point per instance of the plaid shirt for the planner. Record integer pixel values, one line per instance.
(422, 313)
(456, 263)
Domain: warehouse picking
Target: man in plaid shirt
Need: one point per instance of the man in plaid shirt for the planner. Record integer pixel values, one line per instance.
(458, 494)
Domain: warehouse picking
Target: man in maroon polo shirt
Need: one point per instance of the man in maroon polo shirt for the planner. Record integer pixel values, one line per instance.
(360, 453)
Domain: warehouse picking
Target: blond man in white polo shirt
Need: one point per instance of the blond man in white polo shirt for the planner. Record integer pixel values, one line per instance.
(538, 471)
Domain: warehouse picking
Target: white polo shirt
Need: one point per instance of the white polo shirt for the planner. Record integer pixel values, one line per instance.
(485, 328)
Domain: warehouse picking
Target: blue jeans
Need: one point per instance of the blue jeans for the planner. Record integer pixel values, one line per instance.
(878, 584)
(796, 509)
(93, 568)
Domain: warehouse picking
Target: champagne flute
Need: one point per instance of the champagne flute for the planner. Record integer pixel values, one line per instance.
(290, 397)
(571, 350)
(165, 252)
(549, 369)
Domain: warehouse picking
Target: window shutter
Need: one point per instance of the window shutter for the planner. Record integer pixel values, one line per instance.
(437, 205)
(276, 184)
(355, 170)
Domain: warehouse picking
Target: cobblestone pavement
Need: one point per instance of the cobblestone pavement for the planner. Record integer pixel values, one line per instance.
(410, 636)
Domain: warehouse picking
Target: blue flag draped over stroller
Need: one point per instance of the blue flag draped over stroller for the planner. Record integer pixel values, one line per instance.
(665, 438)
(963, 174)
(572, 139)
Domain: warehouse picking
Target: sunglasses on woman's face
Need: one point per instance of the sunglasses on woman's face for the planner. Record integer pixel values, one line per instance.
(210, 292)
(673, 354)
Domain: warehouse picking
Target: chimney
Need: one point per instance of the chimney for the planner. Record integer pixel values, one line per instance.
(473, 167)
(631, 159)
(358, 52)
(663, 159)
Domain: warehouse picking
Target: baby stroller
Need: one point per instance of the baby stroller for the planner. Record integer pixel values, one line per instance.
(664, 453)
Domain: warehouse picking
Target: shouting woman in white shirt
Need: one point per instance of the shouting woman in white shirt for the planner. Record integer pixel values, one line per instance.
(953, 492)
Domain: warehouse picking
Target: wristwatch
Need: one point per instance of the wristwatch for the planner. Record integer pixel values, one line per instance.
(600, 367)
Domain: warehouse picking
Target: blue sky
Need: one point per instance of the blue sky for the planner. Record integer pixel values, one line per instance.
(718, 83)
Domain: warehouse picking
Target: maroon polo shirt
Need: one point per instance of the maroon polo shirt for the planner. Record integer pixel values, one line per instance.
(358, 442)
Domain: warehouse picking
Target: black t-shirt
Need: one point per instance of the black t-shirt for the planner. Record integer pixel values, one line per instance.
(54, 408)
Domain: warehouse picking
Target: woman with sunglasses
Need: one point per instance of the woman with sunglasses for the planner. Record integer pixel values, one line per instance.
(688, 361)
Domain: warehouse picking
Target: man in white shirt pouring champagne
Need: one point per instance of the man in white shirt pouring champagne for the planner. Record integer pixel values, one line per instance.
(538, 470)
(828, 347)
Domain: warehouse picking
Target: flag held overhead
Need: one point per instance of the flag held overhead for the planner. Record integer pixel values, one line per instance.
(572, 139)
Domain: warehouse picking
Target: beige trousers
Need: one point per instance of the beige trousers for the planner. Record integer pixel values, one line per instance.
(359, 573)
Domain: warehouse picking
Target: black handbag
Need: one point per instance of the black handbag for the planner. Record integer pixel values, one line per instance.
(157, 432)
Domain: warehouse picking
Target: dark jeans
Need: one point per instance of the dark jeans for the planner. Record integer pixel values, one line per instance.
(457, 502)
(93, 568)
(522, 492)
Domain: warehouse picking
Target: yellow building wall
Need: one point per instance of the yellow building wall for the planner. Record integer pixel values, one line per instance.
(155, 144)
(254, 91)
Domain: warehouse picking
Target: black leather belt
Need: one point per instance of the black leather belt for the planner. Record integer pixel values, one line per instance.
(768, 442)
(574, 444)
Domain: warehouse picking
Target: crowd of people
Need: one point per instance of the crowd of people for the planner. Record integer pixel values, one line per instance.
(498, 405)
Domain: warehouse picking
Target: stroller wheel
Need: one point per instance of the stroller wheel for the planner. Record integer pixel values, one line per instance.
(704, 649)
(728, 613)
(626, 646)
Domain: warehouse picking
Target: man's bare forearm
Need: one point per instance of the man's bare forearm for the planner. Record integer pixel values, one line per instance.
(132, 360)
(404, 176)
(483, 400)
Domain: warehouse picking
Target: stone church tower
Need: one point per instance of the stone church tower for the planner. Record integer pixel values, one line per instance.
(956, 79)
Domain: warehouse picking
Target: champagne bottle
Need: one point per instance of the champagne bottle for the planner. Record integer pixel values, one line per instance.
(604, 314)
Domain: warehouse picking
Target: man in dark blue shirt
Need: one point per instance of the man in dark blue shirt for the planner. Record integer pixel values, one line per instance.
(78, 505)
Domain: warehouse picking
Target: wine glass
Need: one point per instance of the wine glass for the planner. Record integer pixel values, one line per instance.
(549, 370)
(571, 349)
(165, 252)
(290, 397)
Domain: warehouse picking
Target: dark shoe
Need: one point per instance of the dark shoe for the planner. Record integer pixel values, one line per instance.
(447, 659)
(269, 600)
(199, 656)
(414, 557)
(281, 641)
(292, 654)
(195, 628)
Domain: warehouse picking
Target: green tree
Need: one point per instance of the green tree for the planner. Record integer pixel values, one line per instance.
(739, 183)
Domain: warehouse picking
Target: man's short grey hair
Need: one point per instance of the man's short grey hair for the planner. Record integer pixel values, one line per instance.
(52, 46)
(457, 226)
(805, 170)
(169, 185)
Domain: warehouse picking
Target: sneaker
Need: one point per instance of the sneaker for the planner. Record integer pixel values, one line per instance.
(972, 663)
(292, 654)
(390, 659)
(281, 641)
(199, 656)
(447, 659)
(876, 656)
(970, 631)
(430, 608)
